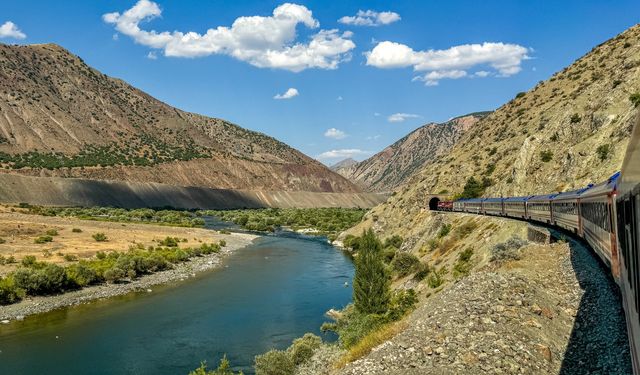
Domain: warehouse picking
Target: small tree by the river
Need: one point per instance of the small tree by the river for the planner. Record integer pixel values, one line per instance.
(371, 282)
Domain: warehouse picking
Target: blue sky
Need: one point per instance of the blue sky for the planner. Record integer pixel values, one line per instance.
(421, 61)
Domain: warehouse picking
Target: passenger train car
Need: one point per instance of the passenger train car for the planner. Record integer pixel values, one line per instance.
(606, 215)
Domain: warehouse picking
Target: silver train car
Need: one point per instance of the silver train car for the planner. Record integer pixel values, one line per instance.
(606, 215)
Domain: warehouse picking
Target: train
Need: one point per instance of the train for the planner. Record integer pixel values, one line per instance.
(605, 215)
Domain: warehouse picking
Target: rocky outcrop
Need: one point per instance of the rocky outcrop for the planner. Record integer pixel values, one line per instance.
(392, 166)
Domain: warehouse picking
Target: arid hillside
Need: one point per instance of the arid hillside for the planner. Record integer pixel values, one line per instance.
(60, 117)
(568, 131)
(393, 166)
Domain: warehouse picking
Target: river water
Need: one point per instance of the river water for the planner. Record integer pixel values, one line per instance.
(264, 296)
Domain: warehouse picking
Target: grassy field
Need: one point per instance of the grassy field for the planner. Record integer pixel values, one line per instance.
(63, 239)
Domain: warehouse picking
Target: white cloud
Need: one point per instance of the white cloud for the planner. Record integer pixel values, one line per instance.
(152, 55)
(343, 153)
(335, 134)
(451, 63)
(339, 98)
(11, 30)
(373, 137)
(264, 42)
(401, 117)
(115, 36)
(370, 18)
(377, 114)
(290, 93)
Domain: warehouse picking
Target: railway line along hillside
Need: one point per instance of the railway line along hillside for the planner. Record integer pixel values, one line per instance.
(491, 301)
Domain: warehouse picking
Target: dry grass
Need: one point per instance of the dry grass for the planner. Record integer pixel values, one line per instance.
(19, 232)
(370, 341)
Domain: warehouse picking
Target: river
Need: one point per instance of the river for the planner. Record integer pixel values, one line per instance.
(265, 295)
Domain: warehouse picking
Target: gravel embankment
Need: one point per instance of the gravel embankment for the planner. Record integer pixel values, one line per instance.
(181, 271)
(556, 311)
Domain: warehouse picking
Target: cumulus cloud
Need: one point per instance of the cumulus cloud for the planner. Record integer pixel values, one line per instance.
(264, 42)
(290, 93)
(11, 30)
(370, 18)
(452, 63)
(343, 153)
(401, 117)
(152, 55)
(335, 134)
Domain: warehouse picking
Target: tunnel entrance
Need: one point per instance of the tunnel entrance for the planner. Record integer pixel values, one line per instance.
(433, 203)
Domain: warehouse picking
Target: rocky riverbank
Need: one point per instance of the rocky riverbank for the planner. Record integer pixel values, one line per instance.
(181, 271)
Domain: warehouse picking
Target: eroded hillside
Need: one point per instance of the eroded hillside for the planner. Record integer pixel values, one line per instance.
(60, 117)
(392, 166)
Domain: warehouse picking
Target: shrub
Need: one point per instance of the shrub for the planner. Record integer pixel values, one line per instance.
(222, 243)
(223, 369)
(575, 118)
(70, 257)
(76, 230)
(436, 278)
(402, 302)
(554, 137)
(114, 274)
(463, 265)
(9, 291)
(170, 242)
(302, 349)
(351, 242)
(635, 99)
(52, 232)
(546, 156)
(603, 151)
(47, 279)
(353, 326)
(474, 188)
(99, 237)
(520, 95)
(10, 259)
(404, 263)
(422, 272)
(2, 240)
(395, 241)
(493, 151)
(370, 283)
(388, 254)
(101, 255)
(43, 239)
(274, 362)
(81, 275)
(444, 230)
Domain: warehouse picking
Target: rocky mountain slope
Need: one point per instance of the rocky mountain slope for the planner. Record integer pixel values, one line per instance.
(343, 166)
(392, 166)
(60, 117)
(568, 131)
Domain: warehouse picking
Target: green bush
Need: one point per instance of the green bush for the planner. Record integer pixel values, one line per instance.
(81, 275)
(222, 243)
(463, 264)
(422, 272)
(303, 348)
(395, 241)
(444, 230)
(436, 278)
(114, 274)
(371, 282)
(223, 369)
(520, 95)
(41, 279)
(170, 242)
(402, 302)
(52, 232)
(575, 118)
(70, 257)
(99, 237)
(9, 291)
(2, 240)
(474, 188)
(546, 156)
(76, 230)
(603, 151)
(274, 362)
(43, 239)
(635, 99)
(29, 261)
(404, 263)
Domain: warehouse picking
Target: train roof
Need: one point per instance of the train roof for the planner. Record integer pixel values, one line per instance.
(573, 194)
(604, 187)
(473, 200)
(542, 198)
(517, 199)
(493, 199)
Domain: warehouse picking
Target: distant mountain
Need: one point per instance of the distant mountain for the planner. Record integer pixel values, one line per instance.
(343, 165)
(391, 167)
(60, 117)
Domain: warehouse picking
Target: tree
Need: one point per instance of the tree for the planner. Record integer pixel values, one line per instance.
(473, 188)
(371, 282)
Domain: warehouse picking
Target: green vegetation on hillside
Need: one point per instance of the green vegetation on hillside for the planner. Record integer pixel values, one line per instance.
(41, 278)
(147, 151)
(140, 215)
(327, 221)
